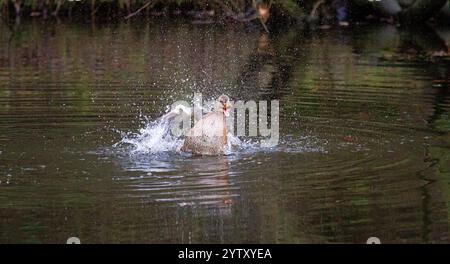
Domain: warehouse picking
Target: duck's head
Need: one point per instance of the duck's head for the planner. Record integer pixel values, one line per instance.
(223, 105)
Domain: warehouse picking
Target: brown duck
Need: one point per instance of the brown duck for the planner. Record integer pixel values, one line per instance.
(209, 135)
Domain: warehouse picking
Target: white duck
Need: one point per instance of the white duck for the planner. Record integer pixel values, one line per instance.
(209, 135)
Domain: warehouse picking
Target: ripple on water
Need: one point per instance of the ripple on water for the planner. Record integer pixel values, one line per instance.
(357, 153)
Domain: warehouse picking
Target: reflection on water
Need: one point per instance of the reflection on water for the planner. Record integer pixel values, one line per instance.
(364, 147)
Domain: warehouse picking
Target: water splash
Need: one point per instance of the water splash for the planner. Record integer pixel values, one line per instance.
(154, 138)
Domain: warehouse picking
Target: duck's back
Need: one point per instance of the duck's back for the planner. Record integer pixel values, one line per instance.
(208, 136)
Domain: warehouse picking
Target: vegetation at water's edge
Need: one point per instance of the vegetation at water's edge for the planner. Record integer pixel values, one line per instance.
(323, 12)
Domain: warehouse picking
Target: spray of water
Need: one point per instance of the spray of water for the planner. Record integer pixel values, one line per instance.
(155, 137)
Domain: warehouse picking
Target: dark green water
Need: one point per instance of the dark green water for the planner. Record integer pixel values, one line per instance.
(364, 124)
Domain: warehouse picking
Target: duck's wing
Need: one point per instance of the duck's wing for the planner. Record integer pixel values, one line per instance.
(181, 110)
(178, 111)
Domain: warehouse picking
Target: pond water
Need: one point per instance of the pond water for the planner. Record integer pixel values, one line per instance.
(364, 135)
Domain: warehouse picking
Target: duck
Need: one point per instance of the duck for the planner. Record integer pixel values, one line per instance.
(209, 137)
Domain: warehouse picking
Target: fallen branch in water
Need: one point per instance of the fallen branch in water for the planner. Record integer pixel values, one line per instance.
(315, 8)
(58, 6)
(151, 2)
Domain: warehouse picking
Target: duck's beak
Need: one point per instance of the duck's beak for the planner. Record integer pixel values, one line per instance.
(226, 109)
